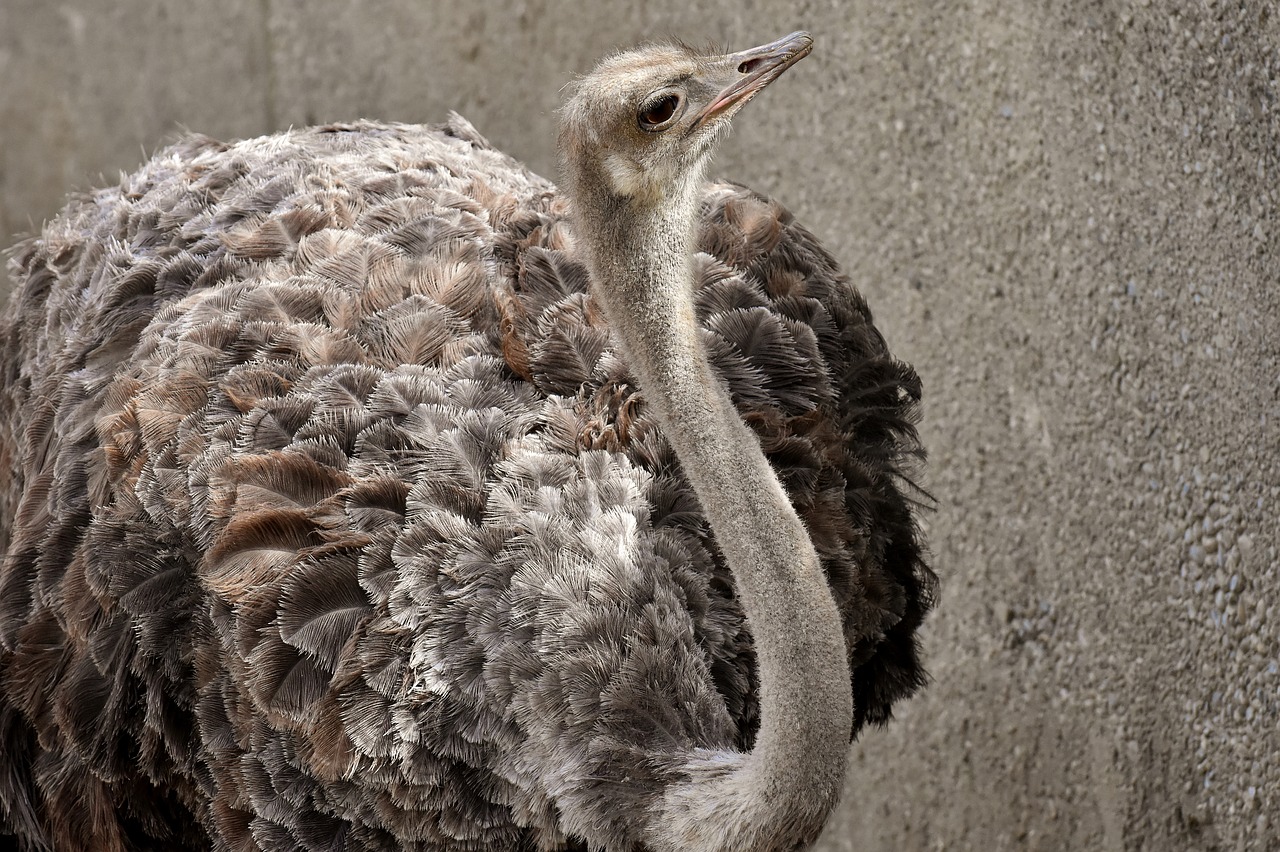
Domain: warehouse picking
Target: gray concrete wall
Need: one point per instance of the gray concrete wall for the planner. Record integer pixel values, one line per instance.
(1064, 213)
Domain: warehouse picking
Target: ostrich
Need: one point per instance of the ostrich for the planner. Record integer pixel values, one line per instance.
(363, 491)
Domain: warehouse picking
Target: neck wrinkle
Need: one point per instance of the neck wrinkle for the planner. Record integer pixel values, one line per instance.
(783, 791)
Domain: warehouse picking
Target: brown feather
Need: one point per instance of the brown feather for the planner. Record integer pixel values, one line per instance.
(334, 518)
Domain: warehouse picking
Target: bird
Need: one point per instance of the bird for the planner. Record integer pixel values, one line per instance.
(363, 490)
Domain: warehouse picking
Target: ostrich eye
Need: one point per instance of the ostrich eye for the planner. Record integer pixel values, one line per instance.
(659, 113)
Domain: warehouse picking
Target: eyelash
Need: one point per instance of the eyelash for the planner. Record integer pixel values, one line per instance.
(658, 113)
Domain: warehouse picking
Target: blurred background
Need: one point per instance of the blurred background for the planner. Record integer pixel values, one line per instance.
(1063, 213)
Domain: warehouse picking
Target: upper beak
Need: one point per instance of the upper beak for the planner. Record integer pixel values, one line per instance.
(754, 69)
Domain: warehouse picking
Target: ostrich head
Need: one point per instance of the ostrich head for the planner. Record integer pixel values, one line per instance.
(642, 126)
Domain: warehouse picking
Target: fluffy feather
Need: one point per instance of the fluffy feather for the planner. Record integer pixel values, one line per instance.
(338, 521)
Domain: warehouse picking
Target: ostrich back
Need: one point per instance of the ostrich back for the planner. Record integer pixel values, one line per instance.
(332, 518)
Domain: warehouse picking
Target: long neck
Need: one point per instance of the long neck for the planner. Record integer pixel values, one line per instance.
(781, 793)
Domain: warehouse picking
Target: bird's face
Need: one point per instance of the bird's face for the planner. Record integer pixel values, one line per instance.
(645, 122)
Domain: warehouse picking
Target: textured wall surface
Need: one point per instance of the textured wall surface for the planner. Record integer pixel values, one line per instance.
(1064, 213)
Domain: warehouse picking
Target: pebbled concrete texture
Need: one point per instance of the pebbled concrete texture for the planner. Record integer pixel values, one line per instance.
(1064, 214)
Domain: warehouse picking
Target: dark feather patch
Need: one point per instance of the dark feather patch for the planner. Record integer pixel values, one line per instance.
(322, 607)
(283, 681)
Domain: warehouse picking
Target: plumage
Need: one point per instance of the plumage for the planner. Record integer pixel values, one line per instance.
(334, 516)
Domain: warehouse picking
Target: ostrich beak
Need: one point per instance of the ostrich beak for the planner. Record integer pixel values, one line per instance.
(751, 70)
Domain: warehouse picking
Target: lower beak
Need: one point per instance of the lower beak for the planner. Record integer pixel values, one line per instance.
(755, 69)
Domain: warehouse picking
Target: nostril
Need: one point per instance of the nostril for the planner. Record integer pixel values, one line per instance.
(750, 65)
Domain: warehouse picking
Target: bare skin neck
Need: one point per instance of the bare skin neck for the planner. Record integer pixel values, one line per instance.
(778, 796)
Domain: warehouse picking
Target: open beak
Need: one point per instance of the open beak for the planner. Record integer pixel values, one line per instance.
(753, 70)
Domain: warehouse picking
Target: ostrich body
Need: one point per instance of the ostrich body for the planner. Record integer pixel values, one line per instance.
(364, 492)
